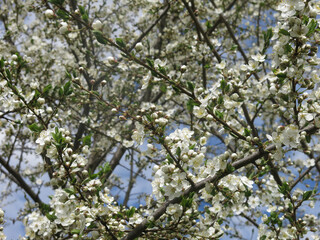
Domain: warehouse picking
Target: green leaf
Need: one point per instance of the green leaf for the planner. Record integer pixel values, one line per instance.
(186, 202)
(284, 97)
(163, 87)
(62, 14)
(60, 92)
(95, 93)
(234, 47)
(93, 176)
(35, 128)
(46, 89)
(191, 103)
(274, 217)
(247, 132)
(57, 136)
(124, 55)
(51, 217)
(284, 189)
(81, 9)
(149, 118)
(170, 160)
(74, 74)
(150, 62)
(45, 207)
(67, 90)
(162, 70)
(36, 94)
(219, 114)
(251, 175)
(106, 168)
(178, 151)
(306, 195)
(209, 24)
(190, 86)
(312, 27)
(247, 193)
(120, 42)
(68, 75)
(284, 32)
(305, 19)
(213, 192)
(85, 17)
(177, 90)
(287, 48)
(99, 36)
(75, 231)
(150, 224)
(92, 225)
(8, 74)
(230, 168)
(69, 190)
(223, 84)
(267, 37)
(308, 138)
(154, 73)
(87, 140)
(281, 77)
(130, 212)
(57, 2)
(2, 63)
(289, 218)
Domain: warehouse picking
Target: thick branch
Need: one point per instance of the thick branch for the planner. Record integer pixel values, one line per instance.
(199, 27)
(211, 30)
(21, 181)
(116, 159)
(137, 231)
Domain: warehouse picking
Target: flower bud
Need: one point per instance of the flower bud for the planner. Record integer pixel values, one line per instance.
(139, 47)
(111, 60)
(49, 13)
(96, 25)
(41, 100)
(183, 68)
(64, 28)
(234, 156)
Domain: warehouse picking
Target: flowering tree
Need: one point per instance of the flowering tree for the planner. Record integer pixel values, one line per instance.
(218, 99)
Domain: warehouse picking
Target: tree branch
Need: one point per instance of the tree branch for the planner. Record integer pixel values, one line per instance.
(21, 182)
(199, 27)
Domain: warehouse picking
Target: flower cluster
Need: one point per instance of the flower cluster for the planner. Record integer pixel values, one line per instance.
(73, 215)
(212, 104)
(2, 236)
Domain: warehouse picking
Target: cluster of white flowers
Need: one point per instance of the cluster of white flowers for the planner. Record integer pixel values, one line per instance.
(2, 236)
(38, 225)
(44, 139)
(288, 136)
(74, 215)
(169, 181)
(200, 114)
(138, 134)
